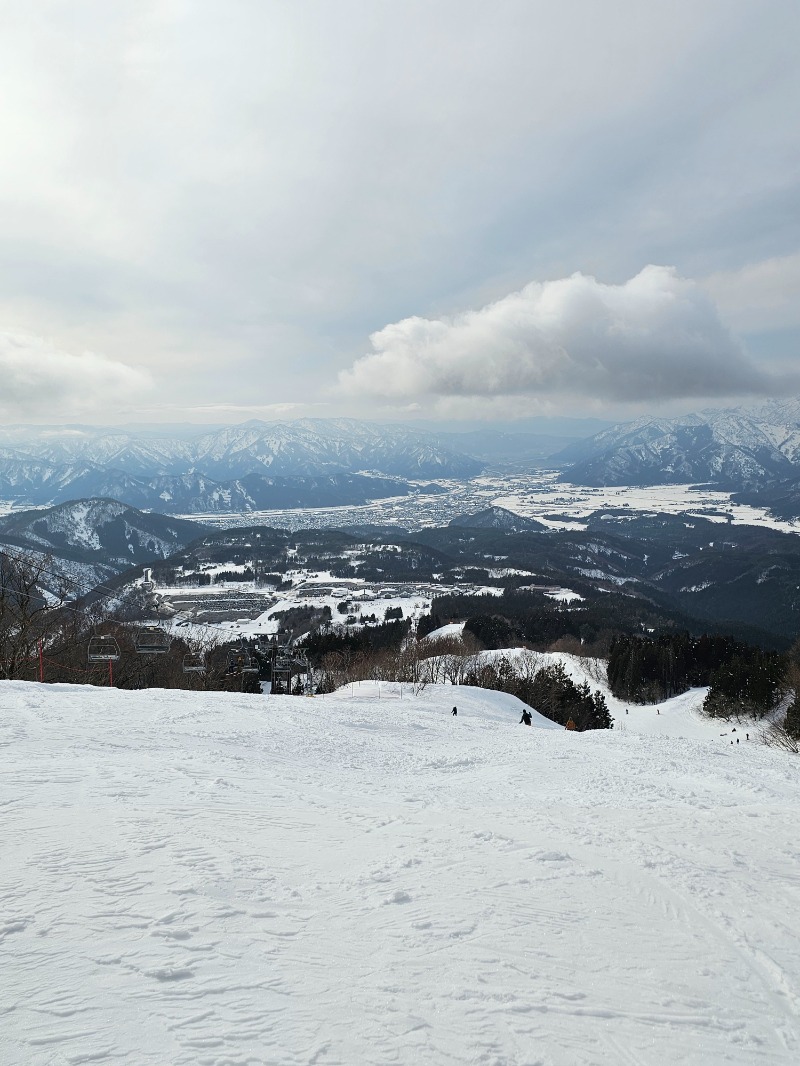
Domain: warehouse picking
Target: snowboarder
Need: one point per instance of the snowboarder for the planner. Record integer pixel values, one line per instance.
(526, 717)
(455, 711)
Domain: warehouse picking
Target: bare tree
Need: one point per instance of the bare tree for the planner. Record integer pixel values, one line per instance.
(778, 736)
(30, 616)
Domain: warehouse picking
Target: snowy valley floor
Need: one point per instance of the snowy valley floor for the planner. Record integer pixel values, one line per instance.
(217, 879)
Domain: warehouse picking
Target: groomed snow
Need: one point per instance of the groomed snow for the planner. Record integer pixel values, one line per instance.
(363, 878)
(451, 629)
(679, 717)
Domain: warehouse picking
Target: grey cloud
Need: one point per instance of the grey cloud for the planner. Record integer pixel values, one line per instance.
(191, 185)
(759, 296)
(657, 336)
(37, 379)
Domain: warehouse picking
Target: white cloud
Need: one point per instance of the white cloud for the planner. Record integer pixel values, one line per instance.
(654, 337)
(37, 377)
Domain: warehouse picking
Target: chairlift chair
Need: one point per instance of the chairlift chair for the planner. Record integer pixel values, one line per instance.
(152, 640)
(239, 660)
(249, 664)
(103, 650)
(245, 661)
(194, 664)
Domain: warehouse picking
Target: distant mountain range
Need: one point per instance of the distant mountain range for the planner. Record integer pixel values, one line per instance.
(506, 451)
(344, 462)
(310, 446)
(256, 466)
(736, 449)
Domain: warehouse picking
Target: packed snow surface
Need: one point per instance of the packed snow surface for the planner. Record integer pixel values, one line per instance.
(214, 879)
(452, 629)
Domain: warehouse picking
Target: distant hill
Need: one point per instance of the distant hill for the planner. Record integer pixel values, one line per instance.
(781, 498)
(495, 518)
(100, 531)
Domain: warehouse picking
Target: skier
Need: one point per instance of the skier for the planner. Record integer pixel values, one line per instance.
(526, 717)
(455, 711)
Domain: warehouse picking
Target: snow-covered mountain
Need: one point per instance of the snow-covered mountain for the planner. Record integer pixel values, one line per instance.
(309, 447)
(195, 494)
(34, 482)
(98, 531)
(245, 467)
(738, 448)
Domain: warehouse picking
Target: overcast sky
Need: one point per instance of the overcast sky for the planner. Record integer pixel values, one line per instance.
(392, 209)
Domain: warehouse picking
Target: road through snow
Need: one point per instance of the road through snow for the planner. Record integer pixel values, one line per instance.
(218, 879)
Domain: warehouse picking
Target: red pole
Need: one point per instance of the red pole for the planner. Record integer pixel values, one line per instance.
(41, 663)
(110, 673)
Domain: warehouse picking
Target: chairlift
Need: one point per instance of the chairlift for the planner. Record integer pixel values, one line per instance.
(103, 650)
(240, 660)
(152, 640)
(249, 665)
(194, 664)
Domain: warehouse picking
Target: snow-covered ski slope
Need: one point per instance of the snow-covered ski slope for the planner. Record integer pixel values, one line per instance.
(214, 879)
(678, 717)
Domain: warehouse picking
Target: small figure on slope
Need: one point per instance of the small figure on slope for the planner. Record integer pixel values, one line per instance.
(526, 717)
(455, 711)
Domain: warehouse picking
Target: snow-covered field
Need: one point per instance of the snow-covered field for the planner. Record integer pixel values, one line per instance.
(540, 495)
(225, 879)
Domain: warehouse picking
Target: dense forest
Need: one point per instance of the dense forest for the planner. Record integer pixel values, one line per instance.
(744, 679)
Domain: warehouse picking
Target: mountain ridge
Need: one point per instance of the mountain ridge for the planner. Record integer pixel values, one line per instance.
(304, 447)
(736, 448)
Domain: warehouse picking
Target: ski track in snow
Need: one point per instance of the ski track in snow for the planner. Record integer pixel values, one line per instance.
(220, 879)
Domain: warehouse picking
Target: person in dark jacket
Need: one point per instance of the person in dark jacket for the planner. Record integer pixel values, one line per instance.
(526, 717)
(455, 711)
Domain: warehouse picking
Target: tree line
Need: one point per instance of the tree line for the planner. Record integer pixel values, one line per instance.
(743, 679)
